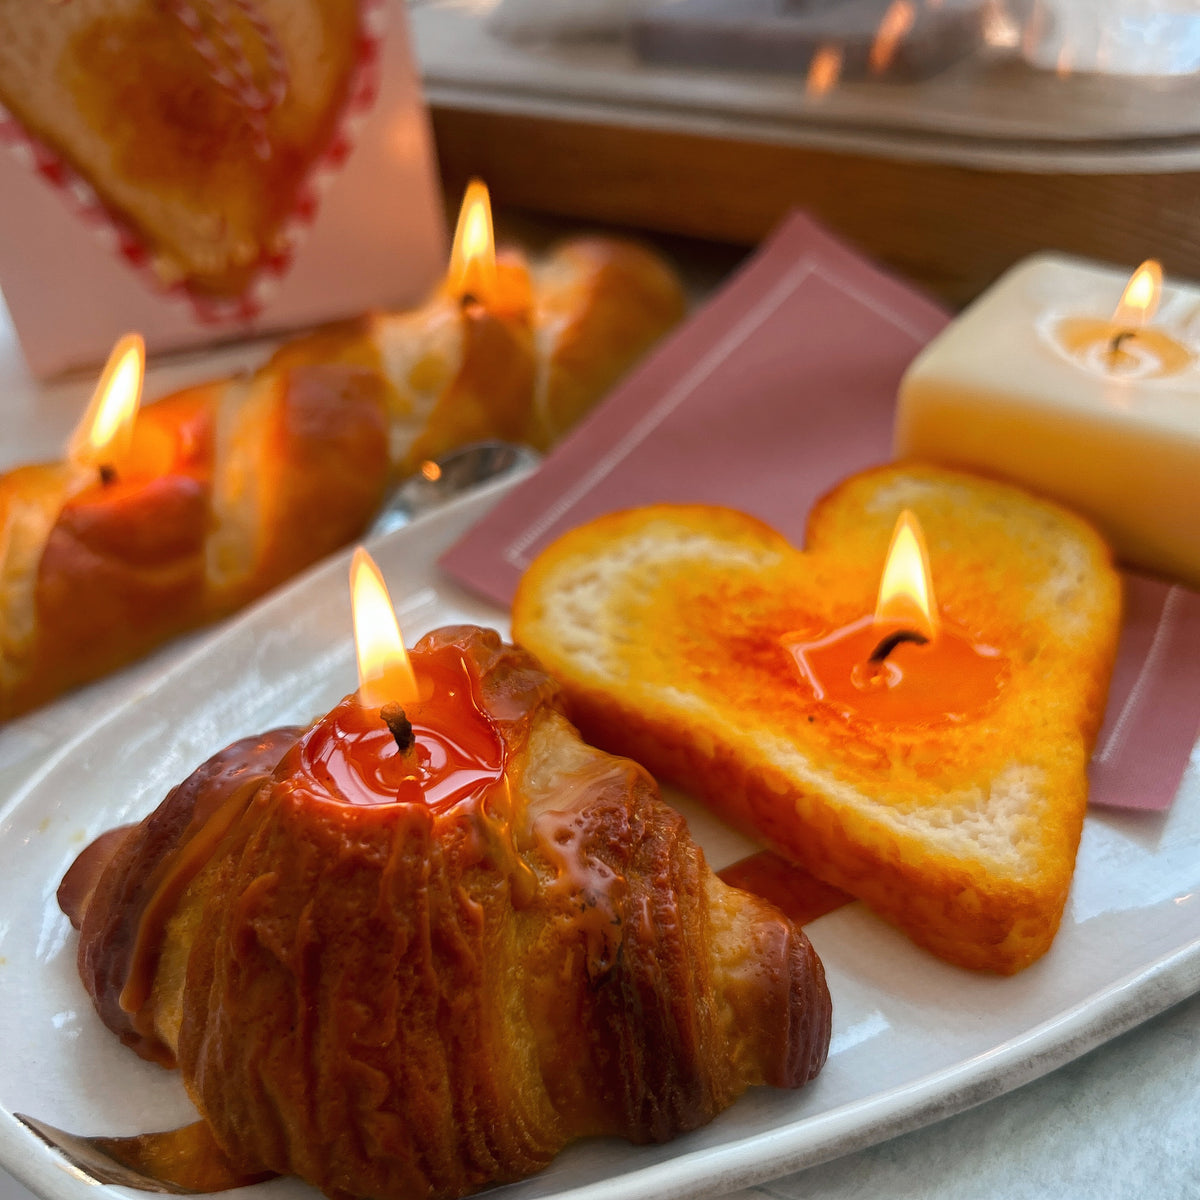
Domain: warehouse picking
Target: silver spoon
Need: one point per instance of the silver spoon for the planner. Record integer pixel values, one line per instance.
(454, 474)
(103, 1159)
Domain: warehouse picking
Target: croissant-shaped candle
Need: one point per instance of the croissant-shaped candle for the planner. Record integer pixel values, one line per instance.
(414, 953)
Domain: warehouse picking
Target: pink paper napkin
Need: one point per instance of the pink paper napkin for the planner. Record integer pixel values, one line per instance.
(782, 385)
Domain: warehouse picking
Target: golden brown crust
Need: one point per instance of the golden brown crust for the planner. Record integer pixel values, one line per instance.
(306, 466)
(31, 498)
(151, 862)
(397, 1001)
(487, 396)
(122, 570)
(601, 303)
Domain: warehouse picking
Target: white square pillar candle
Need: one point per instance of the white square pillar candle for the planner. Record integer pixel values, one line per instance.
(1060, 378)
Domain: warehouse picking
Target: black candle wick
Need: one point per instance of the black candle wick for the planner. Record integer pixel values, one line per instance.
(889, 643)
(401, 728)
(1124, 335)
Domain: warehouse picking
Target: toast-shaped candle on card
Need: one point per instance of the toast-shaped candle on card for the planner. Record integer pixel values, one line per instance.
(419, 946)
(198, 124)
(931, 762)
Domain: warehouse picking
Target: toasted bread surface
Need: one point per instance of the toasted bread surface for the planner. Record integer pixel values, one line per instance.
(667, 625)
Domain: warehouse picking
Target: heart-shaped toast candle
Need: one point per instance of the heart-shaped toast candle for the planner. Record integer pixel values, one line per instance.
(949, 794)
(421, 945)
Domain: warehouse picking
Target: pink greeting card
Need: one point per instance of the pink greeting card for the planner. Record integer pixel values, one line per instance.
(204, 170)
(783, 384)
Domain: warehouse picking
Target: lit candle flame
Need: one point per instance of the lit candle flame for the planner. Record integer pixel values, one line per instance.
(893, 29)
(385, 673)
(103, 436)
(906, 589)
(472, 270)
(1139, 301)
(824, 71)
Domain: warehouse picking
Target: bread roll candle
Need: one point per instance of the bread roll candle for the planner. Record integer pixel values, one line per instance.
(505, 347)
(168, 515)
(460, 367)
(105, 549)
(420, 946)
(486, 301)
(245, 480)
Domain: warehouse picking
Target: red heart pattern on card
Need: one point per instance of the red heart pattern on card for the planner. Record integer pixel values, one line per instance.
(194, 136)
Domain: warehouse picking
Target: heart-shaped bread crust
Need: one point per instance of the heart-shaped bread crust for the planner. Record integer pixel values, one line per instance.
(195, 127)
(668, 627)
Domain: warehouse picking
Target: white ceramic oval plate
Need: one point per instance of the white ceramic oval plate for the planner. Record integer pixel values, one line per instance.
(914, 1039)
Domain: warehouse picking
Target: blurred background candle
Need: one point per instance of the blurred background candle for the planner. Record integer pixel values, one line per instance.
(465, 358)
(1125, 345)
(478, 276)
(102, 439)
(471, 275)
(103, 553)
(1081, 382)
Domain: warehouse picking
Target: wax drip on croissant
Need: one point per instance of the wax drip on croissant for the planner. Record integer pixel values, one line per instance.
(404, 999)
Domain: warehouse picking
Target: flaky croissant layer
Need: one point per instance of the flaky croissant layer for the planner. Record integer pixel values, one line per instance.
(398, 1001)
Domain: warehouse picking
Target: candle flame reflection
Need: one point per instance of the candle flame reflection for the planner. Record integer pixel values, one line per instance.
(824, 71)
(384, 671)
(893, 28)
(472, 272)
(1139, 301)
(104, 434)
(906, 589)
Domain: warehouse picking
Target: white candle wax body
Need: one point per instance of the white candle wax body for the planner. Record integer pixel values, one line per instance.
(1027, 385)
